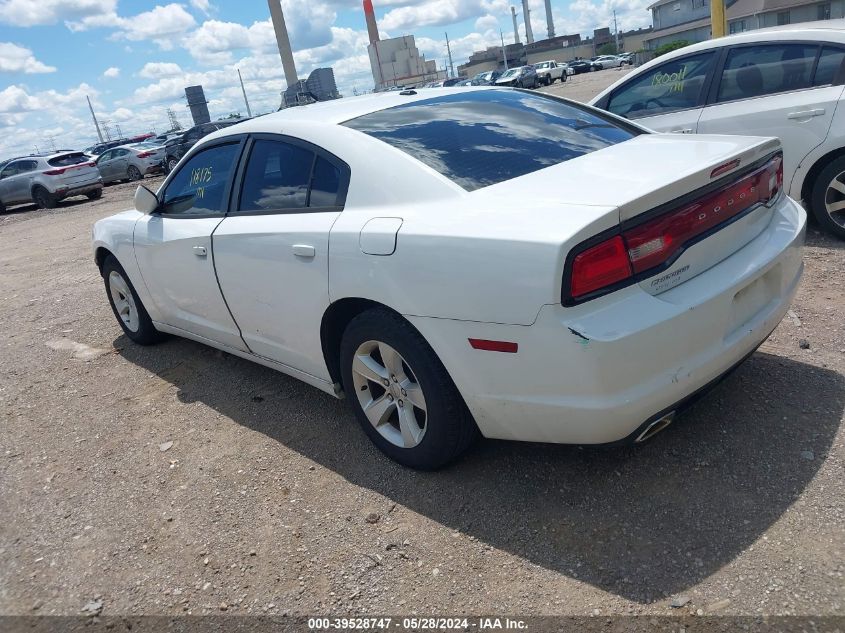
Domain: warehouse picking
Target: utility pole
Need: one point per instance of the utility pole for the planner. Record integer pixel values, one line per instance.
(52, 140)
(118, 130)
(246, 101)
(718, 26)
(616, 30)
(451, 64)
(93, 116)
(504, 54)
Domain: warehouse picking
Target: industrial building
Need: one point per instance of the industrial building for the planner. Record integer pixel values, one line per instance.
(320, 85)
(689, 20)
(397, 61)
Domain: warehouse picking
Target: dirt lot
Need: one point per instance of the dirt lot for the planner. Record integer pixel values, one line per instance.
(178, 479)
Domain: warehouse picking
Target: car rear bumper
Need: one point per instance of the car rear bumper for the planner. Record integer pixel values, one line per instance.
(79, 190)
(596, 375)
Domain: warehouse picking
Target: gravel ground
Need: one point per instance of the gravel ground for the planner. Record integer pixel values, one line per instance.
(178, 479)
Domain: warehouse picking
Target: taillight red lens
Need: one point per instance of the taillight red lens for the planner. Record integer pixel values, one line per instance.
(601, 265)
(145, 154)
(655, 242)
(55, 172)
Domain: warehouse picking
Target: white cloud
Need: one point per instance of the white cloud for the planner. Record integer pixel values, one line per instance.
(201, 5)
(157, 70)
(440, 12)
(17, 59)
(15, 100)
(164, 25)
(37, 12)
(112, 73)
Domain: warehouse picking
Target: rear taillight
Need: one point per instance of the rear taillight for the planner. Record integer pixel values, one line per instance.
(55, 172)
(650, 246)
(145, 154)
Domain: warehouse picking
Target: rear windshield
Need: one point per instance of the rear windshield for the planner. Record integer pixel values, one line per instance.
(66, 160)
(482, 138)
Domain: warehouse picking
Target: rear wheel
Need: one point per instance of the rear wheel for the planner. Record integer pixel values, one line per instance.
(133, 173)
(402, 395)
(43, 198)
(171, 164)
(827, 201)
(95, 195)
(127, 307)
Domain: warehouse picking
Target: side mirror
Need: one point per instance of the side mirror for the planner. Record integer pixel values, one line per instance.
(145, 200)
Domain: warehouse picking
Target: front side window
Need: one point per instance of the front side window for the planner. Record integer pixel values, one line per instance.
(675, 85)
(482, 138)
(200, 185)
(277, 176)
(830, 66)
(753, 71)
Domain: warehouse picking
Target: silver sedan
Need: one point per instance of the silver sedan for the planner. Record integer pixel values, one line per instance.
(130, 162)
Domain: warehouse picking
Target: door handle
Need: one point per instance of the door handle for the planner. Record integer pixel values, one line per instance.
(682, 130)
(805, 114)
(304, 250)
(200, 251)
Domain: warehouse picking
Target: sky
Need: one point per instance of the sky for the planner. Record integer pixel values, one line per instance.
(133, 58)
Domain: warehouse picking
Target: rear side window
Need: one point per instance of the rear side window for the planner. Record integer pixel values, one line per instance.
(283, 176)
(68, 159)
(277, 176)
(830, 66)
(486, 137)
(675, 85)
(754, 71)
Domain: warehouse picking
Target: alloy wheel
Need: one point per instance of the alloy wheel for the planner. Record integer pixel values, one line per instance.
(124, 302)
(389, 394)
(834, 199)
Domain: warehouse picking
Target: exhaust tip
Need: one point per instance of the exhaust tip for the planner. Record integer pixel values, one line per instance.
(655, 427)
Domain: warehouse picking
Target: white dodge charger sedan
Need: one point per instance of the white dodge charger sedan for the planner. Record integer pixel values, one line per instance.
(406, 250)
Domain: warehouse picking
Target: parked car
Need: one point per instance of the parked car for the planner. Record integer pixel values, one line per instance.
(626, 58)
(520, 77)
(579, 66)
(785, 82)
(181, 144)
(448, 83)
(47, 179)
(464, 82)
(542, 318)
(487, 78)
(550, 71)
(607, 61)
(131, 162)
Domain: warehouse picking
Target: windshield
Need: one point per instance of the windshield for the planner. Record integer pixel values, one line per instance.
(510, 73)
(490, 136)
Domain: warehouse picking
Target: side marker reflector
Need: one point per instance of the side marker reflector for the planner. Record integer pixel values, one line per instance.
(493, 346)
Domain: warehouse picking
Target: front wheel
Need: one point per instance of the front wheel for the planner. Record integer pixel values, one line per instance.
(95, 195)
(127, 307)
(133, 173)
(171, 164)
(827, 200)
(402, 395)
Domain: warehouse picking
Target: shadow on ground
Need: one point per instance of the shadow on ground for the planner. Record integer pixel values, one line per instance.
(641, 522)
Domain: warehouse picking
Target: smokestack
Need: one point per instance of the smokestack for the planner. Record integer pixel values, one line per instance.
(370, 15)
(283, 41)
(529, 34)
(515, 27)
(550, 22)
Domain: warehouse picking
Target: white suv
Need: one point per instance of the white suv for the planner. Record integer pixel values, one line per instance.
(45, 180)
(785, 82)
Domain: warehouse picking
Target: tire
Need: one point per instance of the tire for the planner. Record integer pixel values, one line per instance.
(43, 198)
(171, 164)
(437, 426)
(133, 173)
(95, 195)
(2, 208)
(127, 307)
(829, 190)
